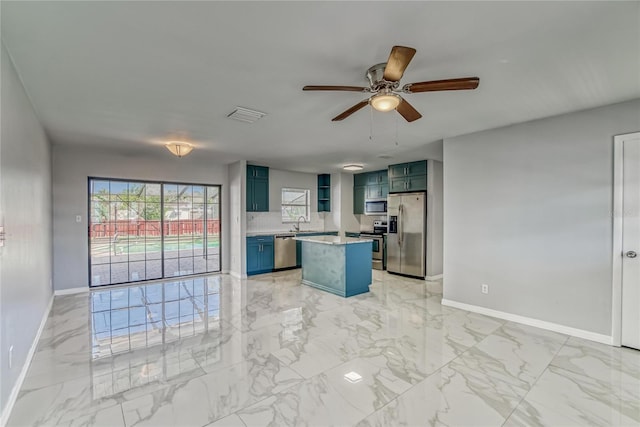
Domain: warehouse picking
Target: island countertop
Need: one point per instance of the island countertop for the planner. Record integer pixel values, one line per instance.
(332, 240)
(276, 232)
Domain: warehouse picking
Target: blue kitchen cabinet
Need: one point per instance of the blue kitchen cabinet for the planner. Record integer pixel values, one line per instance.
(257, 188)
(259, 255)
(377, 177)
(358, 199)
(360, 179)
(406, 177)
(369, 185)
(377, 191)
(408, 169)
(409, 183)
(324, 192)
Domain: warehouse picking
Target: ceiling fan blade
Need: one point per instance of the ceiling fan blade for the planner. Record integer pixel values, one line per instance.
(407, 111)
(437, 85)
(399, 58)
(350, 111)
(341, 88)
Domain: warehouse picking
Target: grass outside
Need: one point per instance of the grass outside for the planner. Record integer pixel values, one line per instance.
(102, 246)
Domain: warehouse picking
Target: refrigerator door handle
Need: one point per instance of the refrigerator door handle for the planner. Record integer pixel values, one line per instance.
(400, 209)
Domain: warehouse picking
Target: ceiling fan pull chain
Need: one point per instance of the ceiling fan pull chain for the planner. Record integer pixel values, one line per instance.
(370, 123)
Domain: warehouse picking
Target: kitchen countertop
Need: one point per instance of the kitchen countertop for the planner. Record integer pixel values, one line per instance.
(333, 240)
(273, 233)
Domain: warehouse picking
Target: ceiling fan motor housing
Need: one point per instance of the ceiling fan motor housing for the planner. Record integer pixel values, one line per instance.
(375, 75)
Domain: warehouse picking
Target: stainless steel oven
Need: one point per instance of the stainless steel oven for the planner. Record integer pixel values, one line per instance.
(375, 207)
(378, 249)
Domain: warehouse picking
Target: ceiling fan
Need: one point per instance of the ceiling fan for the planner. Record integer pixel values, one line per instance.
(384, 84)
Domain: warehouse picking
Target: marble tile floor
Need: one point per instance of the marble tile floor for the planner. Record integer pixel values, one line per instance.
(268, 351)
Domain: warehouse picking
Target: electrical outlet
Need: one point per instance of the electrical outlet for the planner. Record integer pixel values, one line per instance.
(485, 289)
(10, 357)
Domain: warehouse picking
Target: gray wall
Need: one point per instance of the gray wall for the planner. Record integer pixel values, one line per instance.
(25, 205)
(435, 224)
(279, 179)
(71, 167)
(527, 211)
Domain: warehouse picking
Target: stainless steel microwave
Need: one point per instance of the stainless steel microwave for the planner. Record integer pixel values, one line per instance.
(375, 207)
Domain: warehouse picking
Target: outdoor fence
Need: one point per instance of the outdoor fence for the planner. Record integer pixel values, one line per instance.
(154, 228)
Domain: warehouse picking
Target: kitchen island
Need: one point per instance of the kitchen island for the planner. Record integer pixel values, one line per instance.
(340, 265)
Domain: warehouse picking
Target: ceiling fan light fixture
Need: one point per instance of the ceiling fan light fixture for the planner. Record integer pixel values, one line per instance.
(385, 101)
(178, 148)
(353, 167)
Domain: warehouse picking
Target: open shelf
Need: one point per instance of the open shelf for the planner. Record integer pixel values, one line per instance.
(324, 192)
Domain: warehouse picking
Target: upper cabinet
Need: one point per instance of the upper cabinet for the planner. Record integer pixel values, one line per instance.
(408, 169)
(358, 199)
(360, 179)
(406, 177)
(257, 188)
(324, 192)
(377, 177)
(377, 185)
(369, 185)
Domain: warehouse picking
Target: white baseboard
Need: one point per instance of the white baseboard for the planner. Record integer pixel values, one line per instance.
(13, 396)
(567, 330)
(432, 278)
(71, 291)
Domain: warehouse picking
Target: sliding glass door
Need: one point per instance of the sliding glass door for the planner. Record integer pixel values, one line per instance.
(149, 230)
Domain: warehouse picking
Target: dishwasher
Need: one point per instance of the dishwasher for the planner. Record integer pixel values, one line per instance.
(284, 251)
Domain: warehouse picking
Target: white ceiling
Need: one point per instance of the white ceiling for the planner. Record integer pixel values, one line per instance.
(129, 75)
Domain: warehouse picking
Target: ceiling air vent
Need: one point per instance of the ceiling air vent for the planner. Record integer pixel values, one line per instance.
(246, 115)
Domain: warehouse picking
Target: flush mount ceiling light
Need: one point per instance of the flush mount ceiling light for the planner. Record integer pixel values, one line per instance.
(353, 167)
(178, 148)
(385, 101)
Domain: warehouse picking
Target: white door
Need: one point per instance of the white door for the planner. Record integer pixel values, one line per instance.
(631, 243)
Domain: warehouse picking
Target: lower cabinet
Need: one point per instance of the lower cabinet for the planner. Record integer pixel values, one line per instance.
(259, 255)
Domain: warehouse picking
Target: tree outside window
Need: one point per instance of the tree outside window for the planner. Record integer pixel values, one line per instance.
(296, 203)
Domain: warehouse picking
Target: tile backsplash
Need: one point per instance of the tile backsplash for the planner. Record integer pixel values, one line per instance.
(272, 221)
(366, 221)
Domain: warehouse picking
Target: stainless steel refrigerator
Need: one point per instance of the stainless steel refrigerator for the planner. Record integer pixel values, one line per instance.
(407, 235)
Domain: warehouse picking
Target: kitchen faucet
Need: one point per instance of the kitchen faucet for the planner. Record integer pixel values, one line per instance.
(297, 226)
